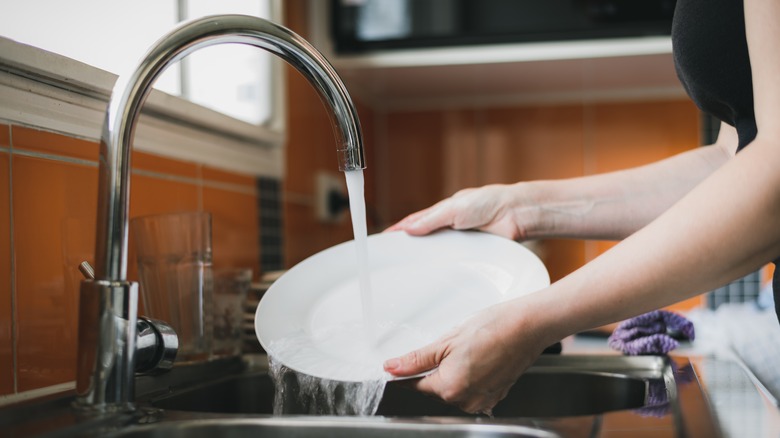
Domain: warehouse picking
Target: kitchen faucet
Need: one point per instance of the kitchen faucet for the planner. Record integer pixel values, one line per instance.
(109, 303)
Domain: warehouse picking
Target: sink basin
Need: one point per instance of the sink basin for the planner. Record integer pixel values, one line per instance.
(556, 386)
(565, 396)
(304, 428)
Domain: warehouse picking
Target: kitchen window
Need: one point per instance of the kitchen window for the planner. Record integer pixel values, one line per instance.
(112, 35)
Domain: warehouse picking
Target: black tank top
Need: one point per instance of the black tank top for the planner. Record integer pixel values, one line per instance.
(713, 64)
(712, 61)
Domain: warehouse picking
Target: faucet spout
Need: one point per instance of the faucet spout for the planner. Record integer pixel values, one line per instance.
(108, 303)
(131, 90)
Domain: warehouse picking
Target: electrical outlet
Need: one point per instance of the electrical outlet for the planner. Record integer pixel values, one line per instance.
(331, 201)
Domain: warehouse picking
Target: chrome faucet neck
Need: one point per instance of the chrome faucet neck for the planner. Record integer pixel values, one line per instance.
(131, 90)
(108, 316)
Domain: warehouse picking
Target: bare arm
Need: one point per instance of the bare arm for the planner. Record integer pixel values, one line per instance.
(605, 206)
(615, 205)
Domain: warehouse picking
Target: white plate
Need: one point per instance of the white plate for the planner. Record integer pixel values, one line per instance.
(310, 319)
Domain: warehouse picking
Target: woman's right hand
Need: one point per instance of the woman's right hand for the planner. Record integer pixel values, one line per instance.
(498, 209)
(477, 362)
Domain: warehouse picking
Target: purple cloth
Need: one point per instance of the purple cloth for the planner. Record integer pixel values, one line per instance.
(651, 333)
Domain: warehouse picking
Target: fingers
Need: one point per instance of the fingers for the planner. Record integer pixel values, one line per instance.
(432, 384)
(416, 362)
(439, 216)
(404, 223)
(458, 394)
(426, 221)
(452, 391)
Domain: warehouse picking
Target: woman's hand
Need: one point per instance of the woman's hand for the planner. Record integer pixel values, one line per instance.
(494, 208)
(477, 362)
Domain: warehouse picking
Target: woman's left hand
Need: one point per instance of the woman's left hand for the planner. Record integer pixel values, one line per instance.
(477, 362)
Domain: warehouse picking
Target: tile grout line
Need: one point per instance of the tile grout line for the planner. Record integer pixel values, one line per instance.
(12, 249)
(197, 181)
(200, 186)
(54, 157)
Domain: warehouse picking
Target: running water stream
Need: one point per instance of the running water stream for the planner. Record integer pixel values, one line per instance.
(357, 209)
(298, 393)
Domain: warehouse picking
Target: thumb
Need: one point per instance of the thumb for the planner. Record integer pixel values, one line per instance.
(416, 362)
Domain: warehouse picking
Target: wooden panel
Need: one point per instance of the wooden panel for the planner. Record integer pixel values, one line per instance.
(373, 163)
(562, 256)
(522, 144)
(461, 151)
(480, 146)
(304, 235)
(310, 149)
(311, 145)
(411, 176)
(510, 144)
(631, 134)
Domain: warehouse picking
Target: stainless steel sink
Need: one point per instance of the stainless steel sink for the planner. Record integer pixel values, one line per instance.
(556, 386)
(329, 427)
(565, 396)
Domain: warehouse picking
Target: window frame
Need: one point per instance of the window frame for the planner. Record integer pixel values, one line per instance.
(45, 90)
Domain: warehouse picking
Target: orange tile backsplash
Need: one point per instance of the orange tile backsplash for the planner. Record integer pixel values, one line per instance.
(5, 139)
(53, 143)
(6, 326)
(54, 220)
(221, 176)
(53, 212)
(152, 195)
(163, 165)
(235, 232)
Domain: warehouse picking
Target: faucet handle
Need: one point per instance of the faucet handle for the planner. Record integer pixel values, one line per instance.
(156, 346)
(156, 342)
(87, 270)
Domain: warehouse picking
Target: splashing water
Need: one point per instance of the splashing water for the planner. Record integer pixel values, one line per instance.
(297, 393)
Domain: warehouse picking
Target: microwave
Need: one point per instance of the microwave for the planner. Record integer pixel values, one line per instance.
(374, 25)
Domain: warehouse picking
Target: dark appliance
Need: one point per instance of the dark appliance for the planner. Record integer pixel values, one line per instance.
(371, 25)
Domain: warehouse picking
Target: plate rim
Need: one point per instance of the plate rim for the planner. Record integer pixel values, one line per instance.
(382, 235)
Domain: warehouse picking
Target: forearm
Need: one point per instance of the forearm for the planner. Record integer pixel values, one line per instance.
(615, 205)
(724, 228)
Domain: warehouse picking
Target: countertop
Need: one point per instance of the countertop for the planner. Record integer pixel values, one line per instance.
(735, 358)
